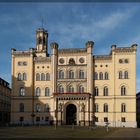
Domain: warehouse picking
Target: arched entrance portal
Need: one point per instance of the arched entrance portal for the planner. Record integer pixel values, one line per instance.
(71, 113)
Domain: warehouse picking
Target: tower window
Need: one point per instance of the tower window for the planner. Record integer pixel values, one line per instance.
(70, 89)
(24, 76)
(120, 75)
(60, 89)
(106, 75)
(71, 74)
(22, 91)
(19, 76)
(126, 75)
(42, 77)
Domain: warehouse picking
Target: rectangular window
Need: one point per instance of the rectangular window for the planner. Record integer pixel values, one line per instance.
(123, 119)
(21, 119)
(46, 119)
(96, 119)
(37, 119)
(105, 119)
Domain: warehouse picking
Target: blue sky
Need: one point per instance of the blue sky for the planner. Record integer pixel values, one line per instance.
(70, 25)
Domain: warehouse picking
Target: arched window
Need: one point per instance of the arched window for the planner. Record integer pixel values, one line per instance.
(47, 77)
(21, 107)
(95, 76)
(22, 91)
(47, 108)
(101, 76)
(120, 75)
(96, 91)
(38, 107)
(47, 91)
(24, 76)
(96, 107)
(123, 91)
(105, 107)
(81, 89)
(123, 107)
(37, 91)
(37, 77)
(42, 77)
(81, 74)
(71, 74)
(61, 74)
(106, 75)
(105, 91)
(126, 75)
(60, 89)
(70, 89)
(19, 76)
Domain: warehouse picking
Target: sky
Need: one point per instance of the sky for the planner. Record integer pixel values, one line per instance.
(71, 25)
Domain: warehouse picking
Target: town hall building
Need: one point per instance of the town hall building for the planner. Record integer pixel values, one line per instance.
(73, 85)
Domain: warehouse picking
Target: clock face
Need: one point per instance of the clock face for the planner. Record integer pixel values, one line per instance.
(61, 60)
(126, 60)
(81, 60)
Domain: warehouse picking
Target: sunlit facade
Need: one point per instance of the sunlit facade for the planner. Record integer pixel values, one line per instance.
(73, 86)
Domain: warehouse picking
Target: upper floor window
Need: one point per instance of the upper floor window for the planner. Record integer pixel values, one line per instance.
(96, 91)
(61, 74)
(71, 74)
(22, 91)
(81, 89)
(81, 74)
(37, 91)
(105, 91)
(123, 91)
(101, 76)
(70, 89)
(47, 77)
(120, 75)
(105, 107)
(60, 89)
(126, 75)
(96, 107)
(21, 107)
(123, 107)
(38, 107)
(95, 75)
(37, 77)
(106, 75)
(47, 91)
(19, 76)
(42, 77)
(24, 76)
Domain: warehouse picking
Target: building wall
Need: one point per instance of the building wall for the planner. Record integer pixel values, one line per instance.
(38, 61)
(5, 102)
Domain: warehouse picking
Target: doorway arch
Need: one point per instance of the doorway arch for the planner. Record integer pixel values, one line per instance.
(71, 114)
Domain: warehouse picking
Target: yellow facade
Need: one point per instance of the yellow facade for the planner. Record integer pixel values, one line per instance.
(73, 86)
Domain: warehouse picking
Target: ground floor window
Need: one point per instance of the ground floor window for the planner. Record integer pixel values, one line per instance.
(21, 119)
(96, 119)
(37, 119)
(123, 119)
(105, 119)
(46, 119)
